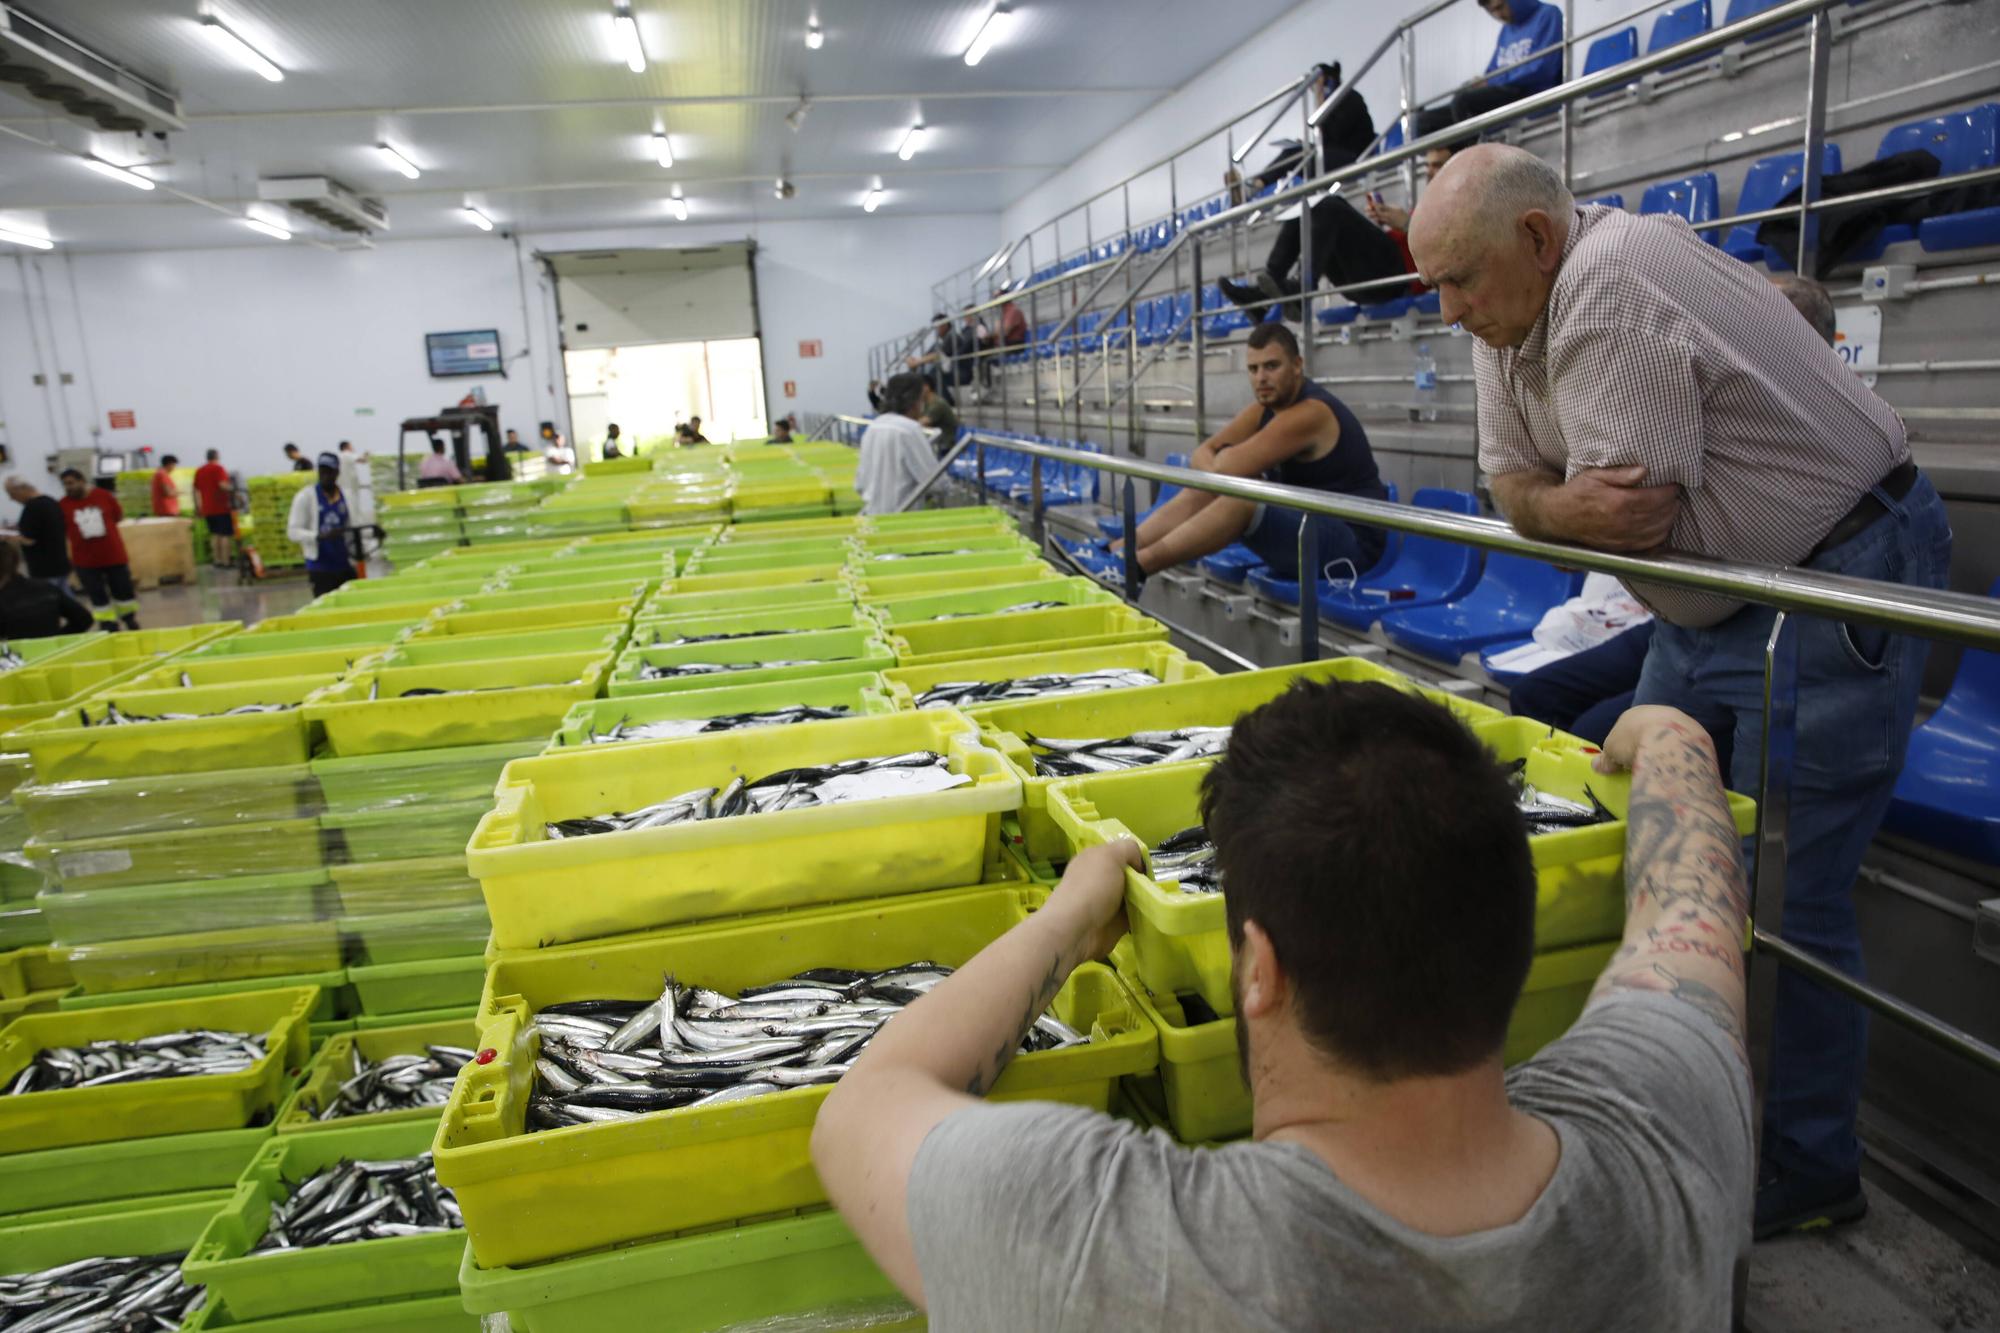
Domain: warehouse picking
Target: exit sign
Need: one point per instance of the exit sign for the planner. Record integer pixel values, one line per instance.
(809, 347)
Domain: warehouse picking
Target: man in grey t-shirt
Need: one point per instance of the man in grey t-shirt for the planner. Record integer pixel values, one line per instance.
(1381, 907)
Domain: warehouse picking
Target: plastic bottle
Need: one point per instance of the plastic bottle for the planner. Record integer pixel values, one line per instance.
(1426, 380)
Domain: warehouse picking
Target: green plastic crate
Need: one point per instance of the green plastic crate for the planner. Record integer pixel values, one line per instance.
(194, 672)
(929, 643)
(832, 652)
(1199, 703)
(1201, 1076)
(67, 1117)
(1011, 557)
(333, 1065)
(990, 599)
(672, 604)
(403, 886)
(127, 808)
(65, 750)
(190, 958)
(451, 649)
(931, 543)
(132, 647)
(315, 616)
(862, 693)
(808, 529)
(454, 931)
(21, 925)
(878, 587)
(530, 1197)
(168, 1225)
(544, 891)
(1167, 665)
(522, 620)
(424, 1314)
(416, 988)
(626, 592)
(37, 652)
(269, 847)
(801, 1272)
(132, 1173)
(91, 916)
(422, 830)
(454, 1013)
(559, 576)
(336, 1000)
(379, 591)
(258, 1285)
(649, 632)
(32, 981)
(395, 781)
(741, 557)
(973, 517)
(257, 641)
(507, 699)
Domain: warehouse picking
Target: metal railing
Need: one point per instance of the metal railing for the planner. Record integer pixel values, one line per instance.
(1955, 617)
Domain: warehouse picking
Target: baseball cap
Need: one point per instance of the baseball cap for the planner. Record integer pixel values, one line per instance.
(330, 460)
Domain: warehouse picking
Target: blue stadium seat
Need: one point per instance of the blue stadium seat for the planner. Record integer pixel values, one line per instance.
(1392, 138)
(1228, 319)
(1946, 795)
(1608, 200)
(1113, 525)
(1609, 51)
(1690, 197)
(1677, 25)
(1742, 9)
(1427, 304)
(1769, 180)
(1392, 308)
(1961, 141)
(1232, 564)
(1336, 314)
(1511, 596)
(1428, 569)
(1493, 650)
(1285, 592)
(1183, 316)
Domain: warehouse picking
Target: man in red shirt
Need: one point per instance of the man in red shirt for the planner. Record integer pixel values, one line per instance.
(211, 493)
(166, 495)
(98, 552)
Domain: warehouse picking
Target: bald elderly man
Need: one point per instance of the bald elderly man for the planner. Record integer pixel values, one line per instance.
(1639, 389)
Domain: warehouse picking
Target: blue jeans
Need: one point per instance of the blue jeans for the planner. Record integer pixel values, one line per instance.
(1857, 696)
(1274, 535)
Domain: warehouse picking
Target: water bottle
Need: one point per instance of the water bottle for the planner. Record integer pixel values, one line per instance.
(1426, 380)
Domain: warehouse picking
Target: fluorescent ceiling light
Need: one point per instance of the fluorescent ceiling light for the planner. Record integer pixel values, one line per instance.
(662, 149)
(872, 200)
(478, 219)
(679, 206)
(779, 189)
(815, 35)
(991, 31)
(627, 29)
(397, 161)
(24, 238)
(117, 173)
(912, 141)
(239, 50)
(270, 229)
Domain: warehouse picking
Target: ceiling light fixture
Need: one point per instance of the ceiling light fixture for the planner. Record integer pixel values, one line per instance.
(678, 205)
(478, 219)
(627, 28)
(270, 229)
(992, 30)
(815, 35)
(663, 150)
(784, 189)
(796, 117)
(872, 200)
(397, 161)
(117, 173)
(239, 50)
(913, 139)
(28, 239)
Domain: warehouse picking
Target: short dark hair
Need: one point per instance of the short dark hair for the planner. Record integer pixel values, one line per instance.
(67, 473)
(168, 460)
(291, 448)
(214, 454)
(1263, 335)
(1377, 842)
(1810, 299)
(903, 392)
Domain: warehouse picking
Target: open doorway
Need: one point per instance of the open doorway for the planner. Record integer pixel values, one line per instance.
(651, 388)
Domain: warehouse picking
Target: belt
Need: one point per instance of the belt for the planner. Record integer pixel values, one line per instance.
(1867, 509)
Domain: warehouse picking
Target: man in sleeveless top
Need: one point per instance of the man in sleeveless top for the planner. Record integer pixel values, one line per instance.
(1294, 432)
(1380, 908)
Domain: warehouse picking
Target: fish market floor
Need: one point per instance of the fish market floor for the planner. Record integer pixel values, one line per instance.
(218, 596)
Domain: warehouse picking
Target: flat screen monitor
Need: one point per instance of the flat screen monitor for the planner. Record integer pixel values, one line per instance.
(468, 352)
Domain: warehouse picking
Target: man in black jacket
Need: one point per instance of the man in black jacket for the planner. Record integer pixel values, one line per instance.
(44, 536)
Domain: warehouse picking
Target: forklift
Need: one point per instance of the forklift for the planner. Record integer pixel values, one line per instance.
(458, 423)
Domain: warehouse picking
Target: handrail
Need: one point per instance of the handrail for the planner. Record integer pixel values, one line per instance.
(1961, 616)
(1395, 34)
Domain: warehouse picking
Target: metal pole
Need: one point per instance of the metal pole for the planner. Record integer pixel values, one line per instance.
(1409, 110)
(1200, 358)
(1308, 589)
(1568, 121)
(1034, 343)
(1035, 509)
(1818, 49)
(1131, 551)
(1774, 796)
(1308, 275)
(1132, 444)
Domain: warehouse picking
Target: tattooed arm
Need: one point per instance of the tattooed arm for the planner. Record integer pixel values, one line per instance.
(947, 1049)
(1685, 896)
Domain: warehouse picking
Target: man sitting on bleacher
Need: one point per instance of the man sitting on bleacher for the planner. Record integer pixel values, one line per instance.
(1293, 432)
(1381, 915)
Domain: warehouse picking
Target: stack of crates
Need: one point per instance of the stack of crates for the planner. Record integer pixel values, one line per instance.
(270, 507)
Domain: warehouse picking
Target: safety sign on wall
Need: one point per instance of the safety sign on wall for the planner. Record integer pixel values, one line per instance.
(123, 420)
(809, 347)
(791, 388)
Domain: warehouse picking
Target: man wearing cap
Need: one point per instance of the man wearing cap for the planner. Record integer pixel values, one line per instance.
(318, 523)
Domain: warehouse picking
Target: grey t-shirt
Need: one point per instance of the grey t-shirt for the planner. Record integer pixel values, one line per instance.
(1037, 1216)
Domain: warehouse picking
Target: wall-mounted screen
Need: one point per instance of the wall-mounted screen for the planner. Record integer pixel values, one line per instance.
(468, 352)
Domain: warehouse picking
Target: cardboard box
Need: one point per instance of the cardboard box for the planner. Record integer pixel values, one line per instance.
(161, 550)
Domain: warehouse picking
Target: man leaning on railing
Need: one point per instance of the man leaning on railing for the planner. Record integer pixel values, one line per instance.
(1640, 389)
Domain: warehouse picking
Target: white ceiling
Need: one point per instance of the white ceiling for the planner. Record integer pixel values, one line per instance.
(523, 108)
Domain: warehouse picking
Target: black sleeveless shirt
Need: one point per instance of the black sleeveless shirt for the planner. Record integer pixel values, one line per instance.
(1348, 469)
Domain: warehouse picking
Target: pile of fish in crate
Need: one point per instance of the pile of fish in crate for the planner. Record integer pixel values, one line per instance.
(499, 960)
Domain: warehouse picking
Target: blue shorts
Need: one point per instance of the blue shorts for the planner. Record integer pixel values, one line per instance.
(1274, 535)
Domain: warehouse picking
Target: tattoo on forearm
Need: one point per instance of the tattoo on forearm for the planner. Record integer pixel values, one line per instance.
(988, 1073)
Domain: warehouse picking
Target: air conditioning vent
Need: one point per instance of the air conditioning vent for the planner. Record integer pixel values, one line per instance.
(327, 201)
(44, 63)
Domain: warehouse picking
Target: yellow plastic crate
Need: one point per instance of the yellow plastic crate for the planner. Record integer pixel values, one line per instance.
(506, 699)
(64, 750)
(1168, 665)
(861, 693)
(315, 616)
(769, 620)
(442, 649)
(927, 643)
(60, 1119)
(786, 530)
(333, 1065)
(673, 603)
(196, 958)
(936, 542)
(878, 587)
(553, 615)
(195, 670)
(629, 592)
(1196, 703)
(791, 576)
(541, 891)
(540, 1196)
(743, 557)
(974, 517)
(831, 652)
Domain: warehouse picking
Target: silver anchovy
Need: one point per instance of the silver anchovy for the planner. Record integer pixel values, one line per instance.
(99, 1295)
(1064, 758)
(169, 1055)
(951, 694)
(394, 1083)
(358, 1200)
